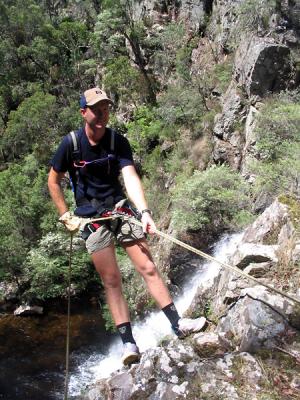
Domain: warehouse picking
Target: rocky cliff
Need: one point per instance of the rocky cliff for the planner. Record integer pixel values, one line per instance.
(252, 338)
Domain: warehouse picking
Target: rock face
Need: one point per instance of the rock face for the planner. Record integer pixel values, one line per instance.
(245, 319)
(262, 66)
(228, 140)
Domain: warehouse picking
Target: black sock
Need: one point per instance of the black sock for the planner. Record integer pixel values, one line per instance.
(172, 314)
(125, 332)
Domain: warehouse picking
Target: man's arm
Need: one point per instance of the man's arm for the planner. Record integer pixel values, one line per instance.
(136, 194)
(56, 192)
(71, 222)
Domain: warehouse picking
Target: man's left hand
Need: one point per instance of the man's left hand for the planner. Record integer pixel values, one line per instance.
(148, 223)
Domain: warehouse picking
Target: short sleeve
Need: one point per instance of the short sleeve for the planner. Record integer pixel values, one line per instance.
(124, 152)
(61, 161)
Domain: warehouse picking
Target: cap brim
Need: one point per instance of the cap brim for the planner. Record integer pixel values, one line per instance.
(95, 101)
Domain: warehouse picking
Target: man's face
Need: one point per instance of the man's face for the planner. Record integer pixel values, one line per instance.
(96, 116)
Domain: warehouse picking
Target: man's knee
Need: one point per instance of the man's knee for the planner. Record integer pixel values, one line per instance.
(148, 269)
(112, 281)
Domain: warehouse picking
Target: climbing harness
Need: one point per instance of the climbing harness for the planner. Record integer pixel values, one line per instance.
(123, 214)
(110, 218)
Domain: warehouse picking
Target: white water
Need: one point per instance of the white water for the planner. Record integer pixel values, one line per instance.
(156, 326)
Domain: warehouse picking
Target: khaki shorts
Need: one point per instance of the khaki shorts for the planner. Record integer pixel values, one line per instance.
(103, 237)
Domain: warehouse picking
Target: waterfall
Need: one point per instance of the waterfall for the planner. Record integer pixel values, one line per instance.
(155, 326)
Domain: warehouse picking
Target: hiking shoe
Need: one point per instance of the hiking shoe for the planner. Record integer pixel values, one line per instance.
(131, 354)
(187, 326)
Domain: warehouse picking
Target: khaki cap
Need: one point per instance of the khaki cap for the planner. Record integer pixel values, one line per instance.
(93, 96)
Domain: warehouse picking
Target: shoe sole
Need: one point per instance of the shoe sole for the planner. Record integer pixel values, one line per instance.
(131, 358)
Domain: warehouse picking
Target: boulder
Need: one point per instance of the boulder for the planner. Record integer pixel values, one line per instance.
(248, 253)
(119, 386)
(207, 344)
(262, 66)
(29, 310)
(258, 270)
(287, 308)
(266, 228)
(250, 325)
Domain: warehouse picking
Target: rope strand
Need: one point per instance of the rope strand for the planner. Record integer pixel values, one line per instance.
(204, 255)
(68, 320)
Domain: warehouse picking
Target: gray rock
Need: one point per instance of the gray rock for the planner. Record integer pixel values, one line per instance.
(205, 292)
(266, 228)
(29, 310)
(282, 305)
(232, 105)
(258, 270)
(249, 153)
(248, 253)
(250, 325)
(119, 386)
(224, 152)
(207, 345)
(262, 66)
(229, 141)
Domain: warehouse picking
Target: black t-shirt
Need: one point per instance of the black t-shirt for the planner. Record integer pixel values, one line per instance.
(98, 181)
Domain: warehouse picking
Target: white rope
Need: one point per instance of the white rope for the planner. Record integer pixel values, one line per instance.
(202, 254)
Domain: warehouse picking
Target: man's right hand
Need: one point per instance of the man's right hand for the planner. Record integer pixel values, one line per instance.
(71, 222)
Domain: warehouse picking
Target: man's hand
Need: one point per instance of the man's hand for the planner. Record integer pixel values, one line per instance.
(71, 222)
(148, 223)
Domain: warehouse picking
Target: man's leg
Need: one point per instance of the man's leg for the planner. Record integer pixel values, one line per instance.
(140, 256)
(106, 266)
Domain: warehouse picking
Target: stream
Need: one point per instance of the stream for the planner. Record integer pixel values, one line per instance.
(32, 349)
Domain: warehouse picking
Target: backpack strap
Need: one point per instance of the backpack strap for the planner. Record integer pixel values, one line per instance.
(112, 141)
(74, 142)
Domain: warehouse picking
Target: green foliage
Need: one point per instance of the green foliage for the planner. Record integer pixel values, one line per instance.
(116, 25)
(181, 105)
(68, 119)
(223, 75)
(278, 144)
(155, 182)
(31, 127)
(24, 204)
(143, 130)
(212, 198)
(255, 14)
(171, 52)
(47, 268)
(120, 77)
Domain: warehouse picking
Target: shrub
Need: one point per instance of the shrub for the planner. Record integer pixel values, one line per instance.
(181, 105)
(277, 131)
(31, 127)
(214, 197)
(47, 268)
(144, 130)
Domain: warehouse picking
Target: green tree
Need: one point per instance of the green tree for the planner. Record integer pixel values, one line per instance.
(24, 205)
(125, 80)
(277, 165)
(46, 268)
(216, 198)
(32, 127)
(118, 24)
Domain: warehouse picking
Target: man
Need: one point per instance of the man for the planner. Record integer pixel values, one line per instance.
(94, 166)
